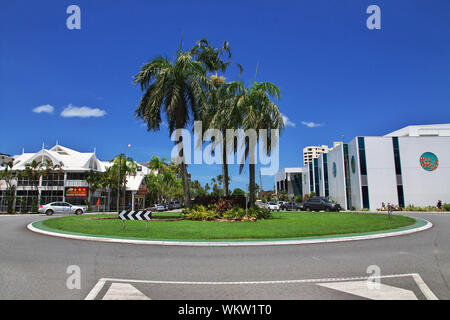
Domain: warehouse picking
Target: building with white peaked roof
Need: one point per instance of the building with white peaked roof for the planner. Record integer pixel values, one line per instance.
(67, 181)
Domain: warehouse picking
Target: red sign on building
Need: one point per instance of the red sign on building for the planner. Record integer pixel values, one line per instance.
(77, 192)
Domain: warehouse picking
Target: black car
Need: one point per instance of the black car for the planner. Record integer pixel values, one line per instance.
(291, 206)
(319, 203)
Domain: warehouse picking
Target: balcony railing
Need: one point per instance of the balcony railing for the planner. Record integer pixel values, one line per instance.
(76, 183)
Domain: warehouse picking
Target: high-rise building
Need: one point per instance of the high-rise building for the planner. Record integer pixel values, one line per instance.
(313, 152)
(5, 159)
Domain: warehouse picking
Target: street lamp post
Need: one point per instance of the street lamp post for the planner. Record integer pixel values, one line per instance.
(118, 182)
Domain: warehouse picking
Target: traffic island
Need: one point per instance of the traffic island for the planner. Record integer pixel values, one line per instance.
(283, 229)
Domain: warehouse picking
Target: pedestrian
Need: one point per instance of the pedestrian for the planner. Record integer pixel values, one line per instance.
(439, 205)
(389, 207)
(383, 206)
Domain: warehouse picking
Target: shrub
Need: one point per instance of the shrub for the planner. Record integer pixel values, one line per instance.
(259, 213)
(207, 200)
(235, 213)
(34, 206)
(223, 205)
(199, 213)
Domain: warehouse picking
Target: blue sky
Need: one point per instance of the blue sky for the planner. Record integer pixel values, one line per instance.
(331, 69)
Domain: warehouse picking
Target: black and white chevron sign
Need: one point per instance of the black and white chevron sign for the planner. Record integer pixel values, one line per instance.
(135, 215)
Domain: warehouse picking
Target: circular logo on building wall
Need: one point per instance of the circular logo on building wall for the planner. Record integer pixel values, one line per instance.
(429, 161)
(334, 169)
(353, 164)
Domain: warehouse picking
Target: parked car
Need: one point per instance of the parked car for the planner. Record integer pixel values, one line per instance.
(176, 205)
(319, 203)
(157, 208)
(61, 207)
(261, 204)
(273, 206)
(291, 206)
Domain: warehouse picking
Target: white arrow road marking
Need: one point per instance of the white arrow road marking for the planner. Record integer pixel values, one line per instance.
(124, 291)
(429, 295)
(361, 288)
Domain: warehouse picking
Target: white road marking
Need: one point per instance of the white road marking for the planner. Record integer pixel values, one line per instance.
(421, 284)
(94, 292)
(124, 291)
(360, 288)
(423, 287)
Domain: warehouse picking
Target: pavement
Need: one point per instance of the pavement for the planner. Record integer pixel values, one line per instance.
(35, 266)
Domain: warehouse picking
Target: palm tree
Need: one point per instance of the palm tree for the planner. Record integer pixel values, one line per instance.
(176, 88)
(260, 113)
(226, 113)
(9, 195)
(34, 171)
(127, 167)
(95, 181)
(219, 112)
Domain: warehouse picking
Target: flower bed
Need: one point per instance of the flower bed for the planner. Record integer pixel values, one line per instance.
(211, 213)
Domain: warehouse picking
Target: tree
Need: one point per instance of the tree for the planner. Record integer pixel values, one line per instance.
(162, 181)
(176, 88)
(197, 189)
(9, 195)
(260, 113)
(238, 192)
(95, 181)
(33, 171)
(218, 112)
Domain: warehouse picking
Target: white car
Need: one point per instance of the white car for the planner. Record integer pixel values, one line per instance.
(158, 208)
(61, 207)
(261, 204)
(273, 206)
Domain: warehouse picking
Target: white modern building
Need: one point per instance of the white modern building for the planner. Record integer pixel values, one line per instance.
(289, 180)
(410, 166)
(67, 182)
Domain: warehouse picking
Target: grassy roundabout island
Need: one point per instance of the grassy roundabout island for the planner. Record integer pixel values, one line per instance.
(283, 225)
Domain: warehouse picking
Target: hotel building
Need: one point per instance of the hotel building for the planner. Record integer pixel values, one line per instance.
(68, 182)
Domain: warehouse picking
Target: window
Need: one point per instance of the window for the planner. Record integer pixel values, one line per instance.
(76, 175)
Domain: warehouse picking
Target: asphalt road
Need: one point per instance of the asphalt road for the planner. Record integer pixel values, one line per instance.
(34, 266)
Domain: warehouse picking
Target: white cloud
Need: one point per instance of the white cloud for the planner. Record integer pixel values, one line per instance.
(287, 122)
(82, 112)
(311, 124)
(44, 108)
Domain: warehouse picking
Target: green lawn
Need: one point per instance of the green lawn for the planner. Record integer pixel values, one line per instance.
(282, 225)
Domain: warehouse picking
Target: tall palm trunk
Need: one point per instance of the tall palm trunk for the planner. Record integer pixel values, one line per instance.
(252, 186)
(184, 175)
(185, 180)
(225, 170)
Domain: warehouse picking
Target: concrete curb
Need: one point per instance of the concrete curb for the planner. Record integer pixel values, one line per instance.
(318, 240)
